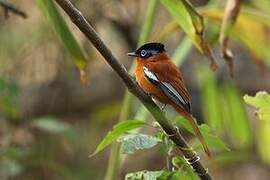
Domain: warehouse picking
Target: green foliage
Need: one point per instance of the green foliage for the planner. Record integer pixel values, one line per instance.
(262, 102)
(118, 130)
(236, 118)
(134, 142)
(55, 18)
(211, 98)
(176, 175)
(192, 24)
(223, 108)
(213, 141)
(181, 171)
(187, 17)
(143, 175)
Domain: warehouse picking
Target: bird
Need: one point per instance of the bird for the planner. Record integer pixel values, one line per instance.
(159, 77)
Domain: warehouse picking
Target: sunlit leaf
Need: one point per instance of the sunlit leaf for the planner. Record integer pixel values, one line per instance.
(143, 175)
(192, 24)
(213, 141)
(56, 20)
(262, 102)
(134, 142)
(118, 130)
(51, 125)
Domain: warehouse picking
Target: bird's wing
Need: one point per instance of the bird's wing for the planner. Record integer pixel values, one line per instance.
(169, 89)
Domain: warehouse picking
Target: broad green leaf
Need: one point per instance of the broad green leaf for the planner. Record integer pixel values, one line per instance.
(236, 118)
(262, 102)
(143, 175)
(187, 174)
(118, 130)
(56, 20)
(192, 24)
(242, 32)
(211, 98)
(134, 142)
(51, 125)
(213, 141)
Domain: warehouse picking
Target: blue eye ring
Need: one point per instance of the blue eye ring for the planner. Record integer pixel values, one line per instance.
(144, 53)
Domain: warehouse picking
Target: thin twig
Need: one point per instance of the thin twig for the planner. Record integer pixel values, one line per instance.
(229, 19)
(78, 19)
(8, 7)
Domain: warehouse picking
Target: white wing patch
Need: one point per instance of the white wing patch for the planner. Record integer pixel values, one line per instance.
(150, 75)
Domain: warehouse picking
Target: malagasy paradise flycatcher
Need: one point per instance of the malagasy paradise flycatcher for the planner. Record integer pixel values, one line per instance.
(159, 76)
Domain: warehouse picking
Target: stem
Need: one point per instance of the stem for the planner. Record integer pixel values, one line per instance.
(115, 154)
(78, 19)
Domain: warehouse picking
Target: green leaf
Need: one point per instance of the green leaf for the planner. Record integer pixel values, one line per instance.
(187, 174)
(143, 175)
(213, 141)
(56, 20)
(211, 99)
(192, 24)
(51, 125)
(133, 142)
(236, 118)
(262, 102)
(118, 130)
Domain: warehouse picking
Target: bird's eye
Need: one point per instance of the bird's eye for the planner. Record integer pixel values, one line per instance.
(144, 53)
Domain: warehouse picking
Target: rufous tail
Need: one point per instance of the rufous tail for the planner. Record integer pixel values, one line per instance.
(196, 129)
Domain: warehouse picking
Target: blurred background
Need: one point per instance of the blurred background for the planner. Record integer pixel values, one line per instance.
(50, 121)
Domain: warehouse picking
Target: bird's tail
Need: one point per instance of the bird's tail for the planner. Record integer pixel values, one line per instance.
(196, 129)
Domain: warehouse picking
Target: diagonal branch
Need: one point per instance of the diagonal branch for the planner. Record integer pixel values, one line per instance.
(173, 133)
(8, 7)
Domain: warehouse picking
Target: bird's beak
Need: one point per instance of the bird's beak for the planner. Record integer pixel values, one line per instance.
(133, 54)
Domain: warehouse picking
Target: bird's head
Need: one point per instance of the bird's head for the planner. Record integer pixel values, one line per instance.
(148, 51)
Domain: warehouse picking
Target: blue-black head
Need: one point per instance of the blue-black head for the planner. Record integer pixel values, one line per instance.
(147, 50)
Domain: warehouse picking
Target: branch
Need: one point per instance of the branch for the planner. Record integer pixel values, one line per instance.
(10, 8)
(78, 19)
